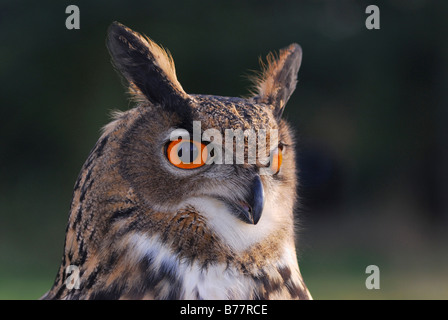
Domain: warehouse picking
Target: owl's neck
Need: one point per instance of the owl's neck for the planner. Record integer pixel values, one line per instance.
(179, 258)
(147, 267)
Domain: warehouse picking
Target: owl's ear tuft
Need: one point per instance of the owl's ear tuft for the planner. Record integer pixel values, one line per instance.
(278, 78)
(147, 67)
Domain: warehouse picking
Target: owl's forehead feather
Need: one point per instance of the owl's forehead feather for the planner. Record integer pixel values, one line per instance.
(222, 113)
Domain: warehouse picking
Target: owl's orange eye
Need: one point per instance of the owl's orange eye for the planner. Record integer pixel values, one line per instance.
(276, 160)
(186, 154)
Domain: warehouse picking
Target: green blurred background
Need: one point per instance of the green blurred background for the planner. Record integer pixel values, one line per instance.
(370, 111)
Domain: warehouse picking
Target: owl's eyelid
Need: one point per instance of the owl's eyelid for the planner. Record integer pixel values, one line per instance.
(280, 146)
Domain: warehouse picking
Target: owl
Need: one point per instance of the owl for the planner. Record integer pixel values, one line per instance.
(156, 214)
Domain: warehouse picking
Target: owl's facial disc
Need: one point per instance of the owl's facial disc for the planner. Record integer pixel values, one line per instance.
(250, 208)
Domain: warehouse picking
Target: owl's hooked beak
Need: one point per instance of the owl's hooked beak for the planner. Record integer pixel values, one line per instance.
(249, 209)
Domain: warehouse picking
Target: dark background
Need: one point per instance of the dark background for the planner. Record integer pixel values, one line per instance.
(370, 112)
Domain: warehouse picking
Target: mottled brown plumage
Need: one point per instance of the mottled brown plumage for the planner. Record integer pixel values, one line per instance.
(141, 228)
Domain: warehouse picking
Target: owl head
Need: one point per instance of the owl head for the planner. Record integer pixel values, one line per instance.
(180, 150)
